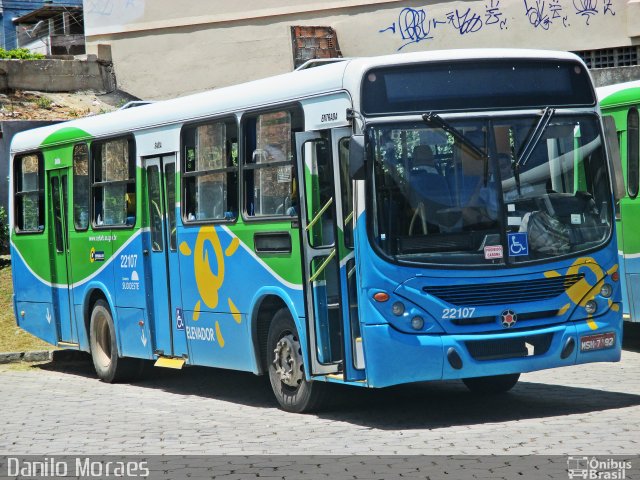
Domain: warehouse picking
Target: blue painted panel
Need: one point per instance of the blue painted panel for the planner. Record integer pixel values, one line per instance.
(133, 333)
(218, 340)
(393, 358)
(83, 334)
(38, 320)
(223, 279)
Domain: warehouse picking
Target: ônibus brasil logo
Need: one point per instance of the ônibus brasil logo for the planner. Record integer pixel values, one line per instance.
(509, 318)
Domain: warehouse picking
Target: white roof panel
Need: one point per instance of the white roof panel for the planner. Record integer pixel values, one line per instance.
(289, 86)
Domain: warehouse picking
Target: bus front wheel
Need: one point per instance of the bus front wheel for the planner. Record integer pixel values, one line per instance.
(104, 350)
(494, 384)
(286, 367)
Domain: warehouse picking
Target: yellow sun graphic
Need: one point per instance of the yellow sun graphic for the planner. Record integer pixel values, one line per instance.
(577, 293)
(209, 282)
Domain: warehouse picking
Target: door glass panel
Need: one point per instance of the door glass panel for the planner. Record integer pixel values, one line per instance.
(346, 192)
(170, 183)
(352, 293)
(155, 208)
(81, 186)
(318, 177)
(633, 157)
(326, 305)
(57, 213)
(65, 233)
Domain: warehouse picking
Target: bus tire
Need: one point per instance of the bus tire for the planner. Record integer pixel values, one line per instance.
(493, 384)
(286, 368)
(104, 349)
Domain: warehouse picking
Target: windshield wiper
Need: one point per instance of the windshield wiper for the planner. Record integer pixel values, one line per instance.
(434, 120)
(535, 136)
(531, 143)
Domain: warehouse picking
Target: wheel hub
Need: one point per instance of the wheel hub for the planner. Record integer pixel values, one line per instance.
(288, 361)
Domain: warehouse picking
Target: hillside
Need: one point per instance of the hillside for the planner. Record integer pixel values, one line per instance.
(27, 105)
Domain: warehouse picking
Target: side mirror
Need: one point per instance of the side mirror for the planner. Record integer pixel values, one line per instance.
(356, 157)
(613, 157)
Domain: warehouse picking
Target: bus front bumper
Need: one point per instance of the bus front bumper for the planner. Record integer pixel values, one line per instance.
(393, 357)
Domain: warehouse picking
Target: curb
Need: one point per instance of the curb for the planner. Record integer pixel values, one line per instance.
(41, 356)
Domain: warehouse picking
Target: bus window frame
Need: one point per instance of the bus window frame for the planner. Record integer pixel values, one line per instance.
(242, 149)
(73, 197)
(42, 191)
(131, 143)
(184, 174)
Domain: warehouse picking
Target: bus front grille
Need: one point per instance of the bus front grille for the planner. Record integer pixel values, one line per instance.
(504, 293)
(509, 347)
(544, 315)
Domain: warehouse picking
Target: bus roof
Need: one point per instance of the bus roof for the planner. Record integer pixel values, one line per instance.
(619, 94)
(290, 86)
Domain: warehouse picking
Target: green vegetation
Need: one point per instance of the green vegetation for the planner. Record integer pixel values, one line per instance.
(13, 339)
(4, 230)
(20, 54)
(44, 103)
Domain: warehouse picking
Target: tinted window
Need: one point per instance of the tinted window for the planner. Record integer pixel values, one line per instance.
(211, 171)
(29, 193)
(114, 189)
(269, 167)
(81, 186)
(474, 85)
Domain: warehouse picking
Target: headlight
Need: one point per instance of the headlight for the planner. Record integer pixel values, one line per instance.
(417, 323)
(397, 308)
(606, 291)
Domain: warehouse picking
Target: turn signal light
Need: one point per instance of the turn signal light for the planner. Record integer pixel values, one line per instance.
(381, 296)
(615, 276)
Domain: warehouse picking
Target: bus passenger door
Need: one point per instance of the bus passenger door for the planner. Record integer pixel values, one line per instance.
(163, 268)
(60, 261)
(324, 250)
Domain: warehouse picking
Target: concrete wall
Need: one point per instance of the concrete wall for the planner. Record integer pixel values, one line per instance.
(9, 129)
(163, 48)
(610, 76)
(56, 75)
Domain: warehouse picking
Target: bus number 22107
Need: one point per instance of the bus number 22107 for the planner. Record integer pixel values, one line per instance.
(465, 312)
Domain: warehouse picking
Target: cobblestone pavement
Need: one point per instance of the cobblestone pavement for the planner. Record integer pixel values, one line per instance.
(60, 407)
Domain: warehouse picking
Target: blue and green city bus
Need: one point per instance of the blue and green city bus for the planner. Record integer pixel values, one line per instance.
(370, 222)
(622, 101)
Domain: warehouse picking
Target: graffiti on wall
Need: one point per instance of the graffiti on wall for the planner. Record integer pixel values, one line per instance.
(415, 25)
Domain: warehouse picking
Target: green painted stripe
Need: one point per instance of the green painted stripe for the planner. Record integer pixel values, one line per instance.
(622, 97)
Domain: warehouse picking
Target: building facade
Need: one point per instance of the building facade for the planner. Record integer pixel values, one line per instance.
(11, 10)
(163, 48)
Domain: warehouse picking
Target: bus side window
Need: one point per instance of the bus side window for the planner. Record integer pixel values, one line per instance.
(633, 151)
(211, 171)
(113, 186)
(29, 193)
(269, 167)
(81, 186)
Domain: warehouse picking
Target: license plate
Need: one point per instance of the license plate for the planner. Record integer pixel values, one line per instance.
(597, 342)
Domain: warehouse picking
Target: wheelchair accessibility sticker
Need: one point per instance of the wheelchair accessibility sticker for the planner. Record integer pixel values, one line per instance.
(518, 244)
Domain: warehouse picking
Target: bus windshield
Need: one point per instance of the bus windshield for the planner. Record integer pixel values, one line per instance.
(489, 190)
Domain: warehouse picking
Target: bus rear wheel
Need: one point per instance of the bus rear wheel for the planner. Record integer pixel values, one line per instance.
(494, 384)
(104, 349)
(286, 367)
